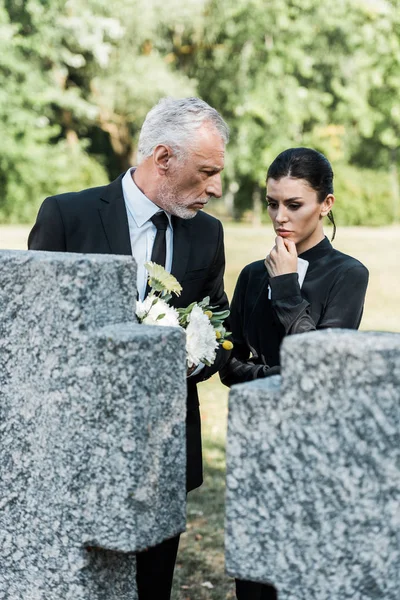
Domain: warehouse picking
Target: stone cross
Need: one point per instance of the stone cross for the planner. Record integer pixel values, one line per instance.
(92, 440)
(313, 482)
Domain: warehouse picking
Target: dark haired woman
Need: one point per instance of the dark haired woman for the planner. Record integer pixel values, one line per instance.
(303, 284)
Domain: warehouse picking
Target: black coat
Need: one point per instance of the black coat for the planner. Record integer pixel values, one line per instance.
(95, 221)
(332, 295)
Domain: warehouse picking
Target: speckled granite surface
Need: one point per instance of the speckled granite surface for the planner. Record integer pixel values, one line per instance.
(313, 483)
(92, 428)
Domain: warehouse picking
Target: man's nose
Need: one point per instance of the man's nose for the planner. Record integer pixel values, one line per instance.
(214, 186)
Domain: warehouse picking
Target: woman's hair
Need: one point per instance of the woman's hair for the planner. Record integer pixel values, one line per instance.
(307, 164)
(175, 122)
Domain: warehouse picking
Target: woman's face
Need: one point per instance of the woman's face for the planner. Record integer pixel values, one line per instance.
(295, 211)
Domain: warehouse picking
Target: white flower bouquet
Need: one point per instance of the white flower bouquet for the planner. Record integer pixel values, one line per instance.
(203, 325)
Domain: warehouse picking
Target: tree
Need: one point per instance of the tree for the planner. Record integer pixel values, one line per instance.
(36, 158)
(377, 143)
(77, 79)
(289, 73)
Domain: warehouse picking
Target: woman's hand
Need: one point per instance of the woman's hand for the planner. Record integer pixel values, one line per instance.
(282, 259)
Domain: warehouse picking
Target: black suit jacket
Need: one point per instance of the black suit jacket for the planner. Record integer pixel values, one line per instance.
(95, 221)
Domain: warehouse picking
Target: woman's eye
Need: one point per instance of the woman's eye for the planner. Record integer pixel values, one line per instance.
(294, 206)
(272, 205)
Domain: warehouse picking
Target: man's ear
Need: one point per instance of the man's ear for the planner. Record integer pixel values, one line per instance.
(162, 155)
(327, 204)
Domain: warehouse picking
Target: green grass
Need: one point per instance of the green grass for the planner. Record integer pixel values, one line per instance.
(201, 555)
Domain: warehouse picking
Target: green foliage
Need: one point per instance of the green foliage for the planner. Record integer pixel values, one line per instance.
(35, 158)
(48, 170)
(77, 79)
(68, 70)
(363, 197)
(313, 73)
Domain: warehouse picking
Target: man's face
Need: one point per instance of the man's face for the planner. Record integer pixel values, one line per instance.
(191, 181)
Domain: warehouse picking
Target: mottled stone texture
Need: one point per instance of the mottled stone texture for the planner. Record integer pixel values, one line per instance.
(92, 428)
(313, 498)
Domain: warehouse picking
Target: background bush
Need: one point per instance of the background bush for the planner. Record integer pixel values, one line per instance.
(77, 79)
(363, 197)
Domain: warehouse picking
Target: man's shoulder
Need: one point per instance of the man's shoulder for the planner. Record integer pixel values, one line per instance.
(205, 221)
(89, 195)
(86, 195)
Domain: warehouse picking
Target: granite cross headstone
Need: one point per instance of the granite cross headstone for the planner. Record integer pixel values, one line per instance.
(92, 440)
(313, 461)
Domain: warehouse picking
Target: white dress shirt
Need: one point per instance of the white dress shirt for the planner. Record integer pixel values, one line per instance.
(142, 231)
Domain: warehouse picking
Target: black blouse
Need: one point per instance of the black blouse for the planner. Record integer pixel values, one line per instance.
(332, 295)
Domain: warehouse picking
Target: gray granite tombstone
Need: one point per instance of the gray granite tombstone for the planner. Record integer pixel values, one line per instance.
(313, 482)
(92, 440)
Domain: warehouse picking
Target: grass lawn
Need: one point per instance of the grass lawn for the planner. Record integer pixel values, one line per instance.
(201, 556)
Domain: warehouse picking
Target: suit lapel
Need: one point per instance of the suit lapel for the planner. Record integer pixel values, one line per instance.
(115, 223)
(114, 218)
(181, 247)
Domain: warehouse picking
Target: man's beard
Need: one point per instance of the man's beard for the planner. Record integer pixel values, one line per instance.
(169, 196)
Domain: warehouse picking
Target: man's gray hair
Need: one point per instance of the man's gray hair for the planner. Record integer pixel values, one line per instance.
(174, 122)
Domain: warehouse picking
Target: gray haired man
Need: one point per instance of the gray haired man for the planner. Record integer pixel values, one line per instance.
(156, 209)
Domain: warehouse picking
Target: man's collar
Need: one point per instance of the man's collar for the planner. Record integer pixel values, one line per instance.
(140, 207)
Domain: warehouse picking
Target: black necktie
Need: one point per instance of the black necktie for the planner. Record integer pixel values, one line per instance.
(159, 252)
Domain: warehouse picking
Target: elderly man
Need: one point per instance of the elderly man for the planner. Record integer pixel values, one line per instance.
(153, 212)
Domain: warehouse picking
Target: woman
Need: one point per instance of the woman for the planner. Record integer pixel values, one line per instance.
(271, 299)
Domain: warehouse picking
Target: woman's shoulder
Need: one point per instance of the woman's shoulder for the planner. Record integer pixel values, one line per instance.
(255, 268)
(348, 263)
(252, 272)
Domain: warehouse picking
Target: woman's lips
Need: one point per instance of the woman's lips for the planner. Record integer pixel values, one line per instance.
(283, 232)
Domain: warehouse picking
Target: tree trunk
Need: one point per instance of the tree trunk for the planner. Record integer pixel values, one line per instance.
(394, 171)
(257, 207)
(120, 139)
(229, 203)
(70, 134)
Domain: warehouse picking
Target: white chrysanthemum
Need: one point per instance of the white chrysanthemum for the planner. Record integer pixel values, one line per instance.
(143, 306)
(170, 316)
(200, 338)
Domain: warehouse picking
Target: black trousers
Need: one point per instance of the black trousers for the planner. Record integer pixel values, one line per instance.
(155, 570)
(250, 590)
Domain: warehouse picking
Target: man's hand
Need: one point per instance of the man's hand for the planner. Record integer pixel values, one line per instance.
(282, 259)
(190, 370)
